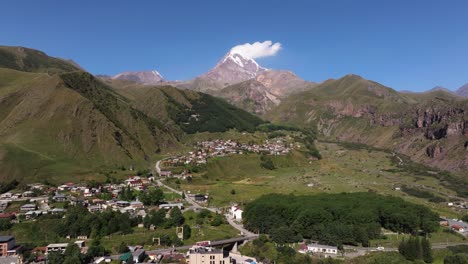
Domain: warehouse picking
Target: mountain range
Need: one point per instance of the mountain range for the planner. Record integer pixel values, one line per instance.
(56, 117)
(243, 82)
(238, 79)
(429, 127)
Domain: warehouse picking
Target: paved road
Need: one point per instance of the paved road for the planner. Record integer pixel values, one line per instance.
(158, 167)
(434, 246)
(239, 227)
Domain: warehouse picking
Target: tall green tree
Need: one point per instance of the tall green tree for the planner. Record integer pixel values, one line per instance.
(96, 249)
(177, 219)
(426, 250)
(55, 257)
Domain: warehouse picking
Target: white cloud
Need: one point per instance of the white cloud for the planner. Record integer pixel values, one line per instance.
(257, 49)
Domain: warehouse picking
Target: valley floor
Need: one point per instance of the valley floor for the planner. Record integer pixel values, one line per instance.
(340, 170)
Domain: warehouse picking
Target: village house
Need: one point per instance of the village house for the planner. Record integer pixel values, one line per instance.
(57, 211)
(136, 205)
(60, 247)
(318, 249)
(64, 188)
(28, 207)
(200, 198)
(59, 198)
(171, 205)
(165, 174)
(122, 204)
(135, 183)
(8, 246)
(33, 214)
(6, 195)
(458, 228)
(94, 208)
(28, 194)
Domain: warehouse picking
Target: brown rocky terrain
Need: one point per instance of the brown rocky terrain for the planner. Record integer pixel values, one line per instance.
(430, 127)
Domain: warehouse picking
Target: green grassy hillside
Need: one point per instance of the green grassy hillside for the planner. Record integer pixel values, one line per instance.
(192, 111)
(71, 126)
(24, 59)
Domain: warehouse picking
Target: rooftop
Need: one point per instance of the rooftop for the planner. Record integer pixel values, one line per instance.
(57, 245)
(205, 250)
(321, 246)
(4, 239)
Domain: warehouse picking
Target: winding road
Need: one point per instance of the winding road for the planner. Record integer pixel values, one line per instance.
(244, 232)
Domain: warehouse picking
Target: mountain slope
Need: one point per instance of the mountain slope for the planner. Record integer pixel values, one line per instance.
(71, 126)
(261, 94)
(51, 125)
(30, 60)
(189, 110)
(463, 91)
(430, 127)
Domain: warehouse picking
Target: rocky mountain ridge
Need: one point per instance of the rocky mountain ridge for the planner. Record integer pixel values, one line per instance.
(429, 127)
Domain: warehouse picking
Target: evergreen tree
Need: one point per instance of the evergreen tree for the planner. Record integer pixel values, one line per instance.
(456, 259)
(123, 248)
(427, 250)
(55, 257)
(73, 254)
(187, 232)
(96, 249)
(177, 219)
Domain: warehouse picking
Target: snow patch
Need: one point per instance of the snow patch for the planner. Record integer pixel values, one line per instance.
(156, 73)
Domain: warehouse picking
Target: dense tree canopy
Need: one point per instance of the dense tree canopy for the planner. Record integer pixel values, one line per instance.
(346, 218)
(80, 222)
(152, 197)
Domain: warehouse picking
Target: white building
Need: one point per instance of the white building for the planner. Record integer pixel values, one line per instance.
(319, 249)
(236, 212)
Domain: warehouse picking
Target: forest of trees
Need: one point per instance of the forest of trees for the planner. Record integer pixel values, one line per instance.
(416, 248)
(78, 221)
(214, 115)
(335, 219)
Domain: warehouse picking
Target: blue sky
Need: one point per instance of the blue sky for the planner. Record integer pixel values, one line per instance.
(411, 45)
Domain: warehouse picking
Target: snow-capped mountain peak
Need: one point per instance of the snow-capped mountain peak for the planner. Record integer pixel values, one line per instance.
(143, 77)
(240, 59)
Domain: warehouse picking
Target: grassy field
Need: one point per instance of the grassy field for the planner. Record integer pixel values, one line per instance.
(39, 232)
(439, 237)
(342, 169)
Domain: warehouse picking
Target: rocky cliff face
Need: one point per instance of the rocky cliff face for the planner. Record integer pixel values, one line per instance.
(431, 128)
(261, 94)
